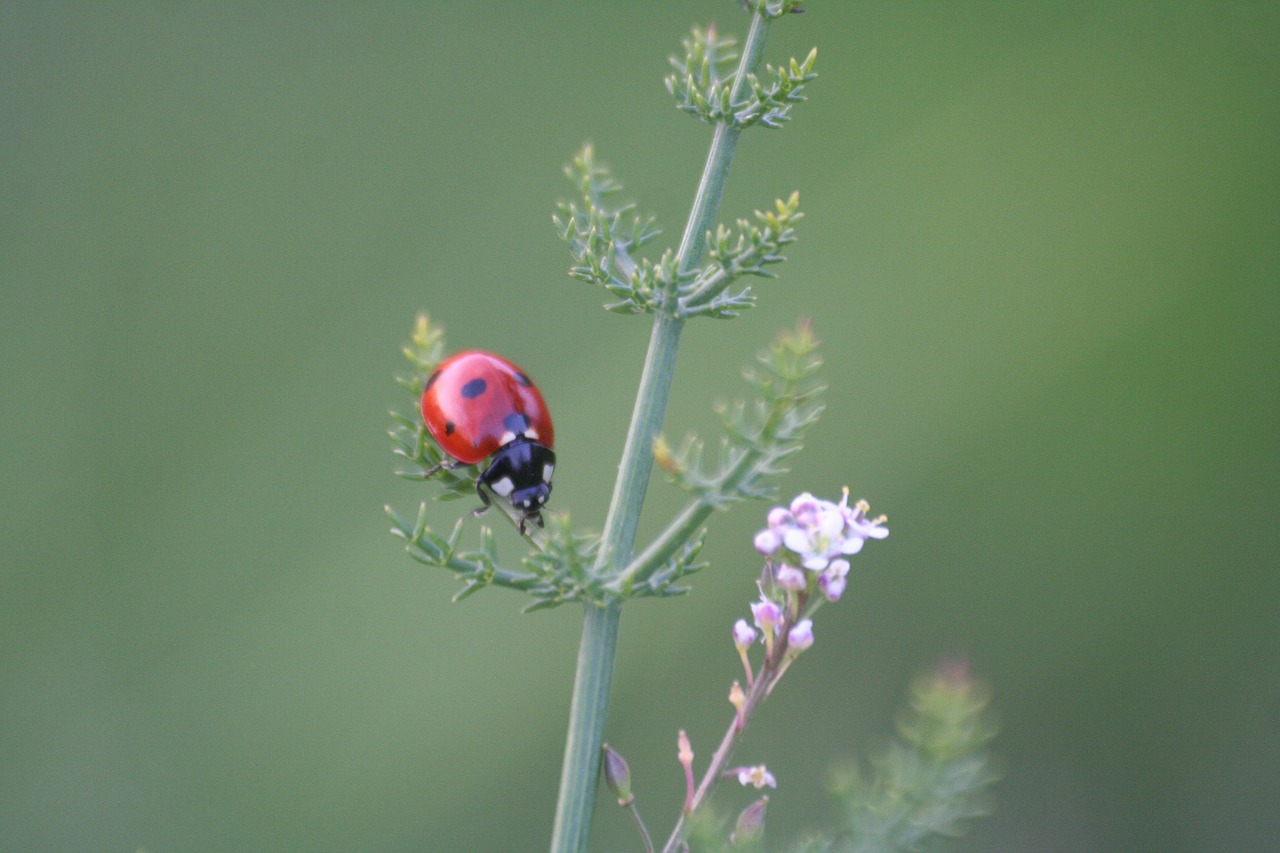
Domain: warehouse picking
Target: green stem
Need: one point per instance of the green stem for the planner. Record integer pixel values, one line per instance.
(596, 656)
(643, 830)
(696, 512)
(678, 532)
(597, 652)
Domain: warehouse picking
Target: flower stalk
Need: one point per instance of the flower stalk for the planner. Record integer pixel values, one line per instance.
(755, 694)
(814, 533)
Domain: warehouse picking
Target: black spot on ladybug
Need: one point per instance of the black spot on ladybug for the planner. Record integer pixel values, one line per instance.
(523, 380)
(449, 427)
(432, 380)
(516, 422)
(474, 388)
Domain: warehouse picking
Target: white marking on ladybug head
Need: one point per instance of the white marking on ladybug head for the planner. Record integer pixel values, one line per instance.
(504, 486)
(547, 471)
(531, 433)
(507, 438)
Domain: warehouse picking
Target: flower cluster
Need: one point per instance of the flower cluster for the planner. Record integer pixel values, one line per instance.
(805, 546)
(817, 532)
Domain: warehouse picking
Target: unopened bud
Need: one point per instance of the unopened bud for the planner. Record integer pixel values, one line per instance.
(743, 636)
(789, 577)
(800, 637)
(685, 755)
(767, 541)
(422, 330)
(738, 700)
(736, 697)
(833, 579)
(750, 825)
(617, 775)
(767, 615)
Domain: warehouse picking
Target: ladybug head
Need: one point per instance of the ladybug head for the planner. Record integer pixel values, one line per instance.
(520, 471)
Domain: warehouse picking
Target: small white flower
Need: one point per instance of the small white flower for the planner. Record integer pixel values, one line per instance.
(857, 523)
(818, 531)
(816, 538)
(757, 776)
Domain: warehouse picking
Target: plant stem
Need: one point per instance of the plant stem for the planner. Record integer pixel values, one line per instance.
(596, 655)
(598, 649)
(644, 830)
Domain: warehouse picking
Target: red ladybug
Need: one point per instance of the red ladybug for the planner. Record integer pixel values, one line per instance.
(478, 405)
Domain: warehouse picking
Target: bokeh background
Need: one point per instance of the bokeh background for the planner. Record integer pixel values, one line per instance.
(1041, 249)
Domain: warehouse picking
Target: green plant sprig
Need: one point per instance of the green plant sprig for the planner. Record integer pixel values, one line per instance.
(557, 569)
(603, 235)
(758, 440)
(477, 569)
(930, 781)
(704, 87)
(735, 253)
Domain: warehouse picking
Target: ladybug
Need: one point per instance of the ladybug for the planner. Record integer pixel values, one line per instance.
(477, 406)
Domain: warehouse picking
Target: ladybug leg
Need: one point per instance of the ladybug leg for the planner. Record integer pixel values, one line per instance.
(442, 465)
(535, 516)
(485, 502)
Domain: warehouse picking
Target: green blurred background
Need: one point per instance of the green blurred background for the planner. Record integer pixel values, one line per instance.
(1042, 252)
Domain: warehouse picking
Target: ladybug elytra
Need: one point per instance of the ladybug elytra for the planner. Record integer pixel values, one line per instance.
(478, 405)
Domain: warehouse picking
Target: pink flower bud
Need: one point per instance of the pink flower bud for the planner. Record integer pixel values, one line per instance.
(767, 615)
(684, 750)
(832, 580)
(684, 754)
(617, 775)
(789, 577)
(832, 587)
(737, 698)
(804, 507)
(750, 824)
(768, 541)
(800, 637)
